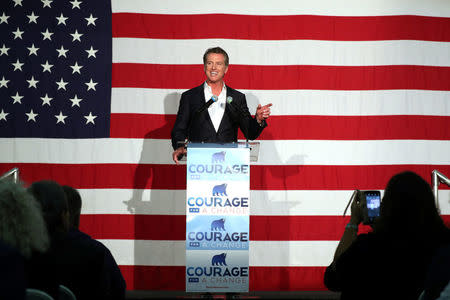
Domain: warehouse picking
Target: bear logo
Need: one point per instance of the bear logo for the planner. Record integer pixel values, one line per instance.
(218, 157)
(218, 225)
(219, 260)
(220, 190)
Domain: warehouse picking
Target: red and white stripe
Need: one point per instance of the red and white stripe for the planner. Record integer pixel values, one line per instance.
(361, 91)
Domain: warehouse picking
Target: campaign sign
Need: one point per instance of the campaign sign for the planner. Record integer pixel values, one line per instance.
(217, 271)
(212, 163)
(217, 233)
(217, 218)
(218, 197)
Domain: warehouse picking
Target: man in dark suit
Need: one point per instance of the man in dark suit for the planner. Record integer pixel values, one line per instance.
(227, 111)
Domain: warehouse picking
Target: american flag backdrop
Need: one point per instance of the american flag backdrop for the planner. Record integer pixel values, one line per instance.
(89, 91)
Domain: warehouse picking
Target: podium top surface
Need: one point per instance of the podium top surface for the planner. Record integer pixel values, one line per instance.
(225, 145)
(253, 146)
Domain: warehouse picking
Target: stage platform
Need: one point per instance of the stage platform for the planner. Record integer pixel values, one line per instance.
(303, 295)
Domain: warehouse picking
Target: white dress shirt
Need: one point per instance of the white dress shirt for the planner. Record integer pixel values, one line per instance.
(217, 109)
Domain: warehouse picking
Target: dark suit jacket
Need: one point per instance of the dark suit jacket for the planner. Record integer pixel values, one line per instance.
(198, 127)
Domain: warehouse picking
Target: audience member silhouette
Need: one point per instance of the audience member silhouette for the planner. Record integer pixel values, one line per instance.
(116, 285)
(392, 261)
(12, 273)
(80, 266)
(438, 276)
(24, 238)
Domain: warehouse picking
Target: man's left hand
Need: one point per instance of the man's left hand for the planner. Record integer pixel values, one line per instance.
(262, 112)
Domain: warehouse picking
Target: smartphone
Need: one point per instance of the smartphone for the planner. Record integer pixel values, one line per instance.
(371, 201)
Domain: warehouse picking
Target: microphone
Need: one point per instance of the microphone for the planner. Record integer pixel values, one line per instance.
(238, 112)
(235, 110)
(207, 104)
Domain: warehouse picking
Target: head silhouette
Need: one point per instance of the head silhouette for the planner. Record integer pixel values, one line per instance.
(74, 205)
(22, 225)
(54, 205)
(408, 207)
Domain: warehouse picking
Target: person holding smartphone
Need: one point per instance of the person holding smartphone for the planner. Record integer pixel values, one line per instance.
(391, 262)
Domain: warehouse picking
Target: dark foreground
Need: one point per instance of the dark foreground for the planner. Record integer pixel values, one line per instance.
(322, 295)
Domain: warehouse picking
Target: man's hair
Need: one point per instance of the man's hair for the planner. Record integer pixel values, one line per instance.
(216, 50)
(54, 205)
(22, 225)
(74, 204)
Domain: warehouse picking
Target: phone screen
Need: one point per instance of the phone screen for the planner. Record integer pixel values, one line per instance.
(373, 200)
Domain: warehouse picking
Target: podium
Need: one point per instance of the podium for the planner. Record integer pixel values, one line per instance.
(218, 216)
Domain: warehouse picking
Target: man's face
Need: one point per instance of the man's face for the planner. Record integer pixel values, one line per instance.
(215, 68)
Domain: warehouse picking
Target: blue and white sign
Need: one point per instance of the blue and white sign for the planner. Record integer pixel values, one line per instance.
(217, 218)
(217, 233)
(217, 271)
(218, 197)
(230, 164)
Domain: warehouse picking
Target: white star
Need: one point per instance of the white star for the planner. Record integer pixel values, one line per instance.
(91, 85)
(76, 36)
(4, 82)
(4, 50)
(62, 51)
(17, 65)
(75, 101)
(61, 19)
(76, 68)
(90, 118)
(47, 67)
(62, 84)
(47, 35)
(17, 98)
(91, 20)
(3, 115)
(17, 2)
(4, 19)
(18, 33)
(31, 116)
(91, 52)
(76, 4)
(60, 118)
(33, 50)
(46, 3)
(46, 100)
(32, 18)
(32, 82)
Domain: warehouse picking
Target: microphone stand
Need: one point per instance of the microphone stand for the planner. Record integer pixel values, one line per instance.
(198, 113)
